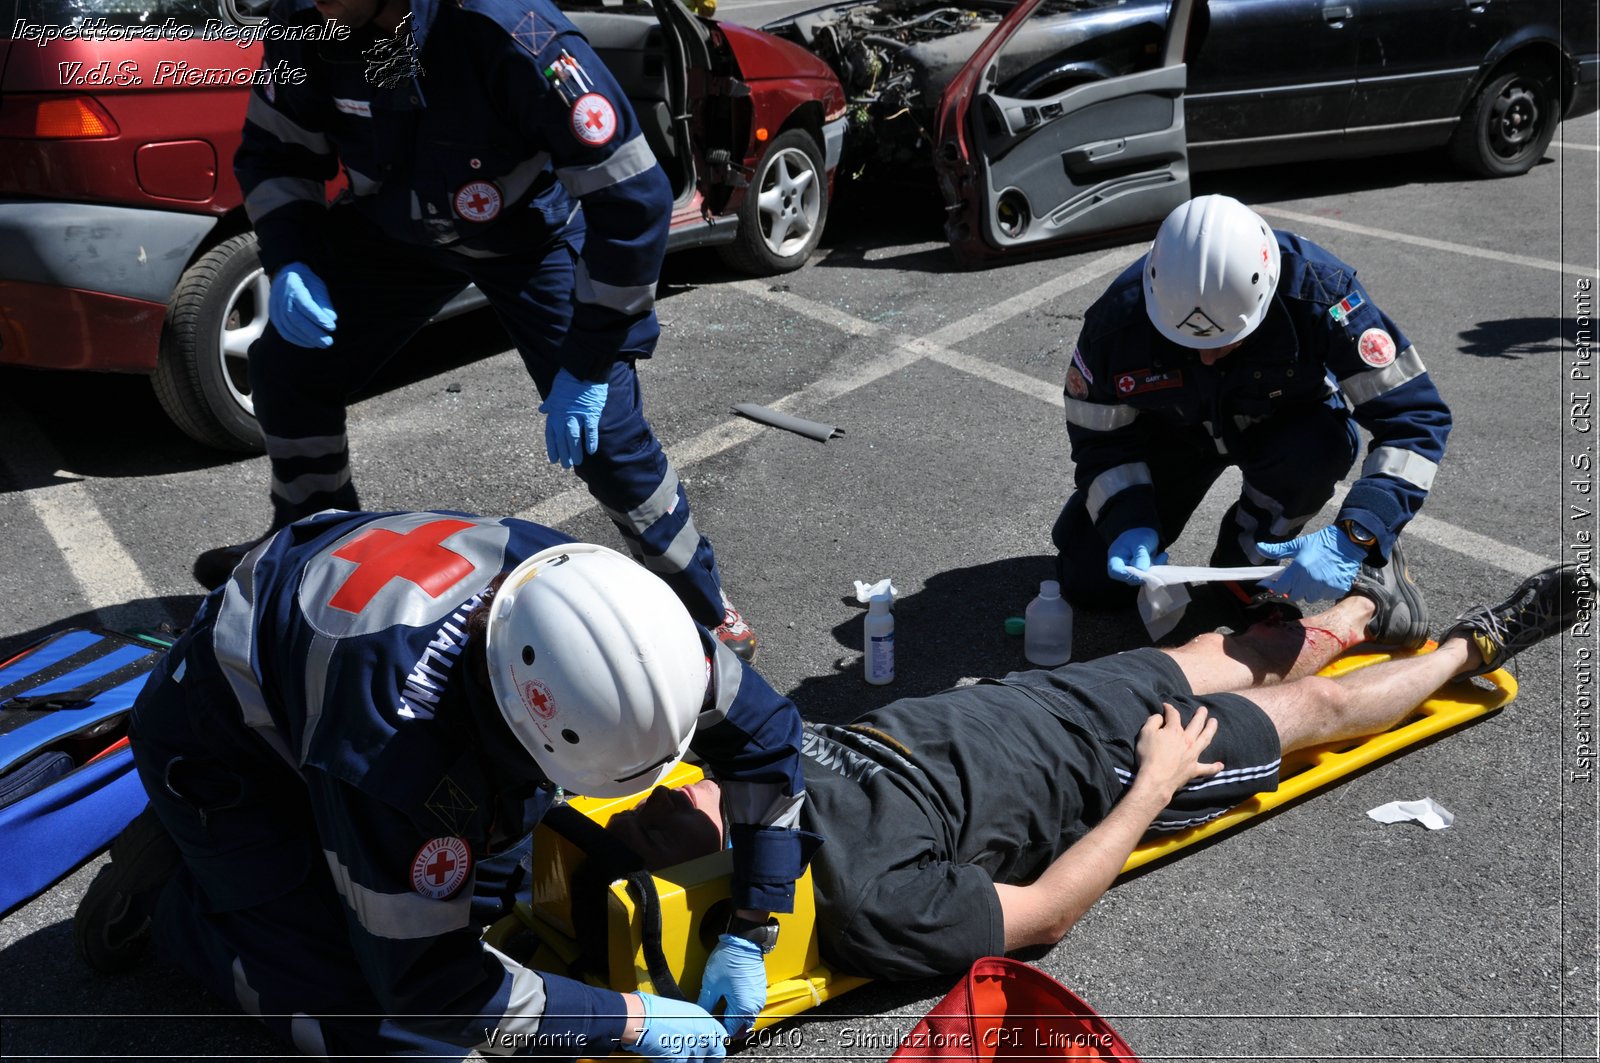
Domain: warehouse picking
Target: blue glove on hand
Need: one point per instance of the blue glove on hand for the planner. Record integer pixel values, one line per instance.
(572, 422)
(1131, 550)
(678, 1030)
(1325, 564)
(737, 974)
(299, 307)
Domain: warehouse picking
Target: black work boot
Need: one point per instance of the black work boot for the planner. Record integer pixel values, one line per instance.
(112, 924)
(214, 567)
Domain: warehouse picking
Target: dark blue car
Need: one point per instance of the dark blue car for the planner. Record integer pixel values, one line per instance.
(1050, 120)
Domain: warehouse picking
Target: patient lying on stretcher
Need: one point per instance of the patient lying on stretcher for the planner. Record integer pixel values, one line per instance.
(990, 817)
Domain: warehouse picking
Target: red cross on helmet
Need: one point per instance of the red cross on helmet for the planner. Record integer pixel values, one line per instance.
(1210, 274)
(597, 668)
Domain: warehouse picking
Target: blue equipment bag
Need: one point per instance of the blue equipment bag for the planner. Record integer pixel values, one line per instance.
(67, 784)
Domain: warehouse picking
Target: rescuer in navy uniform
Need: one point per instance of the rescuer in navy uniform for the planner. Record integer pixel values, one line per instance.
(1232, 344)
(468, 135)
(345, 754)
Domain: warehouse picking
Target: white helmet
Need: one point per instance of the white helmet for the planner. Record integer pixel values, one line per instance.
(597, 668)
(1210, 274)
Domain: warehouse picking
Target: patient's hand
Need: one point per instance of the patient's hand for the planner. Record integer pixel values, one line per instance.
(1169, 752)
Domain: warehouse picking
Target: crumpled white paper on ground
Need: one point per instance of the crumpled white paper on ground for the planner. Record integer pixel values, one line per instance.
(1427, 812)
(1165, 594)
(865, 592)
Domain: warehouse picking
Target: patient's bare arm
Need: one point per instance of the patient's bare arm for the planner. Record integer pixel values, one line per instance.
(1169, 759)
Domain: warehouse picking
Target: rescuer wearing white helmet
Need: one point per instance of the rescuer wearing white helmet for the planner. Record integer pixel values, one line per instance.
(347, 750)
(1233, 344)
(605, 698)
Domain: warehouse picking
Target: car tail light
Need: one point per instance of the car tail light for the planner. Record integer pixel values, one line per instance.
(54, 118)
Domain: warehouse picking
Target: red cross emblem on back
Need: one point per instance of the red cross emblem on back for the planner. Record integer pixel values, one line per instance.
(417, 557)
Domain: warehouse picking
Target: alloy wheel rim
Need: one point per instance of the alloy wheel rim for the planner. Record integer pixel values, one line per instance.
(242, 324)
(789, 203)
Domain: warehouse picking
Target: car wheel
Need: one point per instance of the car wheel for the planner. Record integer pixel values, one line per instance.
(1507, 126)
(784, 209)
(202, 376)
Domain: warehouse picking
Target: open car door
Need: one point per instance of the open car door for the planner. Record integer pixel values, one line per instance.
(1032, 154)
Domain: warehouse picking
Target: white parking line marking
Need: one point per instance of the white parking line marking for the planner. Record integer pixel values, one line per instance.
(1564, 144)
(1461, 540)
(569, 504)
(985, 320)
(105, 572)
(905, 352)
(1423, 241)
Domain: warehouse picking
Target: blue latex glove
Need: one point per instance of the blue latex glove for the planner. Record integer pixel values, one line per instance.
(737, 974)
(678, 1030)
(1131, 550)
(299, 307)
(572, 422)
(1325, 564)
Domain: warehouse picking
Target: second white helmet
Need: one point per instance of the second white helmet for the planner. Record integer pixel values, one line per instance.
(597, 668)
(1210, 274)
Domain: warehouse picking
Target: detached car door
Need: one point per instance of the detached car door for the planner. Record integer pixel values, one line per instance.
(1033, 152)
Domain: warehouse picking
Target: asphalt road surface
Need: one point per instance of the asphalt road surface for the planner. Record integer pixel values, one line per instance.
(1316, 934)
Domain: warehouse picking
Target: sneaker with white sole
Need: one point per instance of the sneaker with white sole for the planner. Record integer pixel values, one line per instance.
(1546, 602)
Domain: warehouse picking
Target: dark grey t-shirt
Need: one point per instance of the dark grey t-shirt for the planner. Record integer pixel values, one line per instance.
(926, 802)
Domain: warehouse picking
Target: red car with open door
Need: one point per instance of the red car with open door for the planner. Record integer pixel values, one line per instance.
(123, 240)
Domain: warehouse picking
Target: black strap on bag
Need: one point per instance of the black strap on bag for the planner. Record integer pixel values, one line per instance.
(21, 709)
(66, 666)
(610, 860)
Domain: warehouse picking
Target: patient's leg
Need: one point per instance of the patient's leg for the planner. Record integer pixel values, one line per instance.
(1369, 700)
(1271, 653)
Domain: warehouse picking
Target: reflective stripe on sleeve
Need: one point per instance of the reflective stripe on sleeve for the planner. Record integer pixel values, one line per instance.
(360, 183)
(400, 916)
(1098, 417)
(630, 160)
(763, 804)
(514, 185)
(1402, 464)
(276, 192)
(1364, 387)
(1113, 482)
(262, 114)
(525, 1006)
(727, 673)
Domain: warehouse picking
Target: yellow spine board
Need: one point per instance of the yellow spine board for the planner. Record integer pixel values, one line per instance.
(694, 895)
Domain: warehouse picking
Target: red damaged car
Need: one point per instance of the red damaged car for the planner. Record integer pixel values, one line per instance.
(123, 240)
